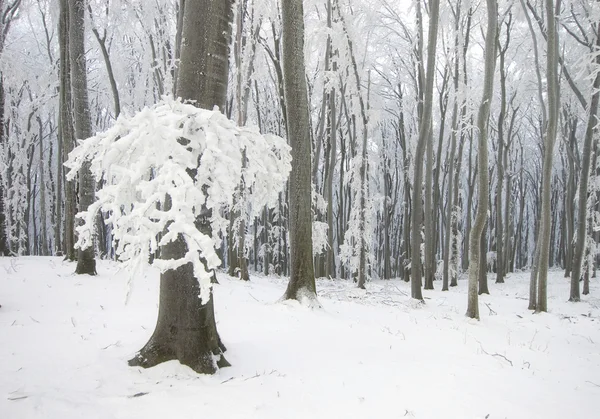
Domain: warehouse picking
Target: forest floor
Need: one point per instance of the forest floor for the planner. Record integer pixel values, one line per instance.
(65, 341)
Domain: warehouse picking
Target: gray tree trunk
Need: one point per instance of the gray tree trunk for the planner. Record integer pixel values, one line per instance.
(482, 155)
(186, 329)
(66, 134)
(86, 264)
(583, 184)
(424, 137)
(42, 182)
(553, 107)
(302, 276)
(500, 163)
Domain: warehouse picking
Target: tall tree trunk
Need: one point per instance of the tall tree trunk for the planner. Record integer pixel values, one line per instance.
(500, 162)
(553, 107)
(66, 133)
(86, 264)
(302, 279)
(186, 329)
(482, 155)
(4, 248)
(42, 182)
(583, 184)
(424, 137)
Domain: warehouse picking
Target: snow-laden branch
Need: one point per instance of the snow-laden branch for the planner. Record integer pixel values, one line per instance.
(192, 156)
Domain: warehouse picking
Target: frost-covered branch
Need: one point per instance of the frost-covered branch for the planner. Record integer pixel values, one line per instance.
(193, 158)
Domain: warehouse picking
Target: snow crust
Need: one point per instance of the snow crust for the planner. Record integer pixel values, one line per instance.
(65, 340)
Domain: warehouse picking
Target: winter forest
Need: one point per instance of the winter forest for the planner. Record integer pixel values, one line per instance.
(243, 174)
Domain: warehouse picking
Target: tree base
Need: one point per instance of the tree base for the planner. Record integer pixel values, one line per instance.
(86, 266)
(152, 355)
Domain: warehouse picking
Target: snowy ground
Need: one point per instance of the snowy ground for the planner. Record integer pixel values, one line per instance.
(65, 339)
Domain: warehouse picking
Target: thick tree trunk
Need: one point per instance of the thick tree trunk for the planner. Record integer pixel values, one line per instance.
(302, 279)
(186, 329)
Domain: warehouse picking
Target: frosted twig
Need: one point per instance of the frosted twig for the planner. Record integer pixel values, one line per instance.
(594, 384)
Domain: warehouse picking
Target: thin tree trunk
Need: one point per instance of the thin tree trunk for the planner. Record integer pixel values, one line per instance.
(424, 137)
(482, 154)
(583, 184)
(553, 107)
(86, 264)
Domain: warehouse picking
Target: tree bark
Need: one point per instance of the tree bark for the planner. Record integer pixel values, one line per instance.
(583, 184)
(553, 107)
(186, 329)
(86, 264)
(482, 155)
(302, 278)
(424, 137)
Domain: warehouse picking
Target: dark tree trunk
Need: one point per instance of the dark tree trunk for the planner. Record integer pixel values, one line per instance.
(4, 249)
(186, 329)
(66, 134)
(86, 264)
(302, 277)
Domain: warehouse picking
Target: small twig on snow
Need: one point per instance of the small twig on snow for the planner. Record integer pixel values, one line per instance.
(492, 312)
(495, 354)
(594, 384)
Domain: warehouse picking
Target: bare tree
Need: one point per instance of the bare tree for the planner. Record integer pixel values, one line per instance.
(302, 276)
(592, 121)
(424, 138)
(86, 264)
(8, 12)
(482, 158)
(551, 129)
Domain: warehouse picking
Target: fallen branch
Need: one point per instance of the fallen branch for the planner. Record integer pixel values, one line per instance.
(492, 312)
(495, 354)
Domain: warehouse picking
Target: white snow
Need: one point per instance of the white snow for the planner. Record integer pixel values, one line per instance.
(65, 340)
